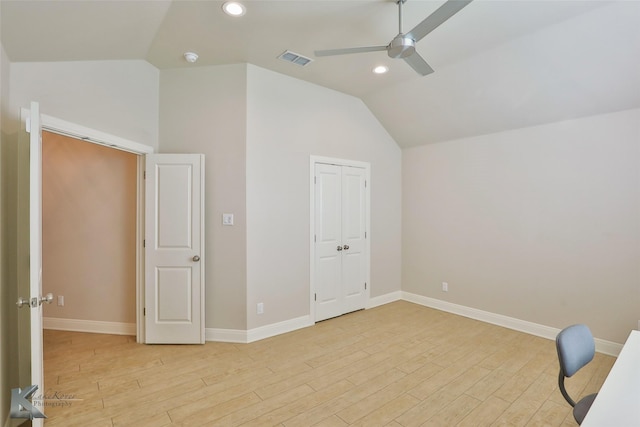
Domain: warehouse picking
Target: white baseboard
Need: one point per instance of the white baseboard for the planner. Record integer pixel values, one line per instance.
(602, 346)
(384, 299)
(92, 326)
(251, 335)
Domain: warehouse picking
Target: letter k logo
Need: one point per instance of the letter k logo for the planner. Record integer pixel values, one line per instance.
(21, 407)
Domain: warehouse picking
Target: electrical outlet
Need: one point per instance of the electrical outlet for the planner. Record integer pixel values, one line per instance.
(445, 287)
(260, 308)
(61, 300)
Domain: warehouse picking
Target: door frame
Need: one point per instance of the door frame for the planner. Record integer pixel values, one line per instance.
(313, 160)
(86, 134)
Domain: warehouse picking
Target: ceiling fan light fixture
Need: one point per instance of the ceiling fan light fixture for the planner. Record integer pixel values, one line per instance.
(233, 8)
(381, 69)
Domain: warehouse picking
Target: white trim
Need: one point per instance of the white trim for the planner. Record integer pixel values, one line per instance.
(602, 346)
(140, 265)
(384, 299)
(313, 160)
(251, 335)
(225, 335)
(90, 135)
(92, 326)
(274, 329)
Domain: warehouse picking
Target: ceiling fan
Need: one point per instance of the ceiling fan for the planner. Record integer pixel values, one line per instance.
(404, 45)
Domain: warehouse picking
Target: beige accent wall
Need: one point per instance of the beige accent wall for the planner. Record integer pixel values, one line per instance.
(89, 197)
(203, 110)
(540, 224)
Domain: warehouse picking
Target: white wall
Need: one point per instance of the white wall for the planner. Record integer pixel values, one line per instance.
(540, 224)
(117, 97)
(203, 110)
(288, 120)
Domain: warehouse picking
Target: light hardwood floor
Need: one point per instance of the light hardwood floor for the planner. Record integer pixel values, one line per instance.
(400, 364)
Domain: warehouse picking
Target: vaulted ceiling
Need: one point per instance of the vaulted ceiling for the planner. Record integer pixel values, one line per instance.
(499, 65)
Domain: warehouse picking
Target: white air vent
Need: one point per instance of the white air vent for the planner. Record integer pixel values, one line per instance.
(295, 58)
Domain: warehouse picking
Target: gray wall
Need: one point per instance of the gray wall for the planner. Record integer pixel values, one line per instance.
(116, 97)
(540, 224)
(237, 115)
(288, 121)
(203, 110)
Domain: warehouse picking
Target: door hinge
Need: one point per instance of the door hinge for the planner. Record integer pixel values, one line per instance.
(315, 238)
(315, 297)
(144, 311)
(144, 175)
(144, 243)
(365, 285)
(365, 234)
(365, 183)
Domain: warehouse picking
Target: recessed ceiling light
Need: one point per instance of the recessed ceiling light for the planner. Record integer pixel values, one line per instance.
(233, 8)
(381, 69)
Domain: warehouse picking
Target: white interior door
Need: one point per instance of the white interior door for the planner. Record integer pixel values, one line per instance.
(174, 249)
(30, 352)
(341, 255)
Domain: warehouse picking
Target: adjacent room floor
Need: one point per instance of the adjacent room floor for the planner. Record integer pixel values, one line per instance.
(400, 364)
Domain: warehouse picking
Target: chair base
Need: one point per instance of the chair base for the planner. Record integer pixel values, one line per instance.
(582, 407)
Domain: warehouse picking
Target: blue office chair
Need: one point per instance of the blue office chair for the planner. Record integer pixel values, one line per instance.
(576, 348)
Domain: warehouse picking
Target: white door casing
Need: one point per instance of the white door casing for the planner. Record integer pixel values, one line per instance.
(339, 245)
(174, 249)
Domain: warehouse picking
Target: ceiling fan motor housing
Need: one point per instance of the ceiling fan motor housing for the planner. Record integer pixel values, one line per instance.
(401, 46)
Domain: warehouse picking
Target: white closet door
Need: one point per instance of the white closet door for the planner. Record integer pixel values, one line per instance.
(340, 249)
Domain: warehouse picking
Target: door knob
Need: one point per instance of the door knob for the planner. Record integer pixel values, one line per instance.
(46, 299)
(345, 247)
(339, 248)
(22, 302)
(196, 258)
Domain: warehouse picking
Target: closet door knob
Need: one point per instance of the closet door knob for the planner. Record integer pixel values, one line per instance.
(195, 258)
(339, 248)
(345, 247)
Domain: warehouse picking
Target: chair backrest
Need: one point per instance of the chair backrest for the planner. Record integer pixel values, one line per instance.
(576, 348)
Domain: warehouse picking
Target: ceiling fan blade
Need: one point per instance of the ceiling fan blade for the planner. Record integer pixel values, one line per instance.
(418, 64)
(331, 52)
(431, 22)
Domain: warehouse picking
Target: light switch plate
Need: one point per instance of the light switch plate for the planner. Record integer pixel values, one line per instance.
(227, 219)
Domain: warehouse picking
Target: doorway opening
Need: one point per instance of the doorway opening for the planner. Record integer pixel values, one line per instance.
(89, 201)
(81, 134)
